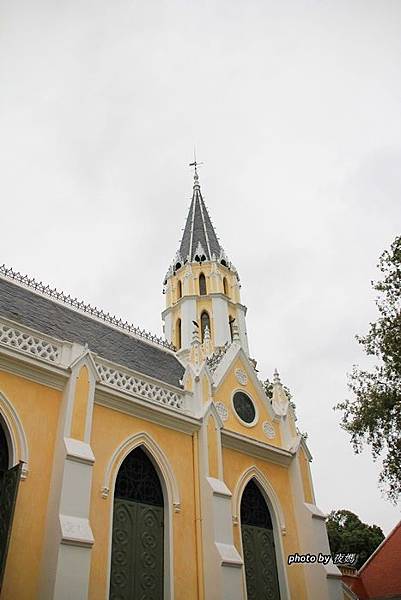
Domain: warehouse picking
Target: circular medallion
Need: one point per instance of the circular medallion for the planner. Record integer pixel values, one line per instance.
(268, 430)
(222, 410)
(241, 376)
(244, 408)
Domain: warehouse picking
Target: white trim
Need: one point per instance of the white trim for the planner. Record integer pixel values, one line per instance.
(246, 393)
(254, 473)
(145, 409)
(277, 517)
(234, 352)
(171, 496)
(30, 368)
(15, 434)
(247, 445)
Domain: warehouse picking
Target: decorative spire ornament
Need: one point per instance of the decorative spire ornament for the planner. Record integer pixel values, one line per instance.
(279, 398)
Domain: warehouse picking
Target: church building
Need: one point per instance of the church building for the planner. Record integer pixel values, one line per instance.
(139, 468)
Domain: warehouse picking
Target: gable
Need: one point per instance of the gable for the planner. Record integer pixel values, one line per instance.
(239, 378)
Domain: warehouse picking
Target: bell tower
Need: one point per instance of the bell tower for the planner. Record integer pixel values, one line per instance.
(202, 286)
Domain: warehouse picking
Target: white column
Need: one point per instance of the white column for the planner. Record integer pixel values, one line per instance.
(168, 326)
(222, 564)
(188, 314)
(243, 336)
(68, 537)
(220, 316)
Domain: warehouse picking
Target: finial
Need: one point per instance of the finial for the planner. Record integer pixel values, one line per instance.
(195, 164)
(276, 377)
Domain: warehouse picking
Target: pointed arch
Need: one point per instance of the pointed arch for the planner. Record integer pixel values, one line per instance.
(205, 322)
(170, 490)
(178, 335)
(156, 454)
(202, 285)
(231, 321)
(15, 435)
(277, 517)
(225, 286)
(179, 289)
(270, 495)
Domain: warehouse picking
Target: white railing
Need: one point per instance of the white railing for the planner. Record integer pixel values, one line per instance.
(135, 386)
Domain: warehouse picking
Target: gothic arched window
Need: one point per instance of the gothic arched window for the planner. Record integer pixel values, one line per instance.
(202, 285)
(178, 334)
(225, 286)
(205, 322)
(179, 289)
(231, 325)
(138, 481)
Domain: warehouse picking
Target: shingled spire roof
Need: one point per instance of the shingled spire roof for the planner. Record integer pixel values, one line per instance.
(199, 241)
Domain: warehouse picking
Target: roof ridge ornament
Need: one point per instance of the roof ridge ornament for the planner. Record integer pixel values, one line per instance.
(280, 401)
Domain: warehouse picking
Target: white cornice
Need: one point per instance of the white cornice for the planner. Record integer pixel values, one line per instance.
(252, 447)
(146, 409)
(33, 369)
(198, 297)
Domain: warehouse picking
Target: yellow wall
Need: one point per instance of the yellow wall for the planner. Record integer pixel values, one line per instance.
(305, 474)
(38, 408)
(235, 464)
(80, 404)
(110, 428)
(224, 395)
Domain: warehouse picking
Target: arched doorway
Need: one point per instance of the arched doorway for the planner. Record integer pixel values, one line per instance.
(9, 483)
(137, 561)
(4, 454)
(258, 545)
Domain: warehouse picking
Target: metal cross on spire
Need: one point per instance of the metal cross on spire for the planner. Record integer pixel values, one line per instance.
(195, 164)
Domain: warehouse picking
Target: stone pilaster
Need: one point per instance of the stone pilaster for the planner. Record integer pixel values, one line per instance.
(68, 537)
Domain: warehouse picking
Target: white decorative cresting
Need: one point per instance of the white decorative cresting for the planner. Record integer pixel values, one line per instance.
(31, 344)
(46, 290)
(222, 411)
(137, 387)
(241, 376)
(268, 430)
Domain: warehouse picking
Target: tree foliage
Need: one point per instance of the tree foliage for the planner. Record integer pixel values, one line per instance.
(268, 387)
(373, 417)
(347, 534)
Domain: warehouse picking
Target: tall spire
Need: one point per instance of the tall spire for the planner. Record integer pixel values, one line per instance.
(199, 241)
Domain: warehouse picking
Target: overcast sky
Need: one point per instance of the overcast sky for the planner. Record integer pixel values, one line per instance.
(294, 108)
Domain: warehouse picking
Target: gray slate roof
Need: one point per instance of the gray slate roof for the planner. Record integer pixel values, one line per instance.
(198, 228)
(33, 310)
